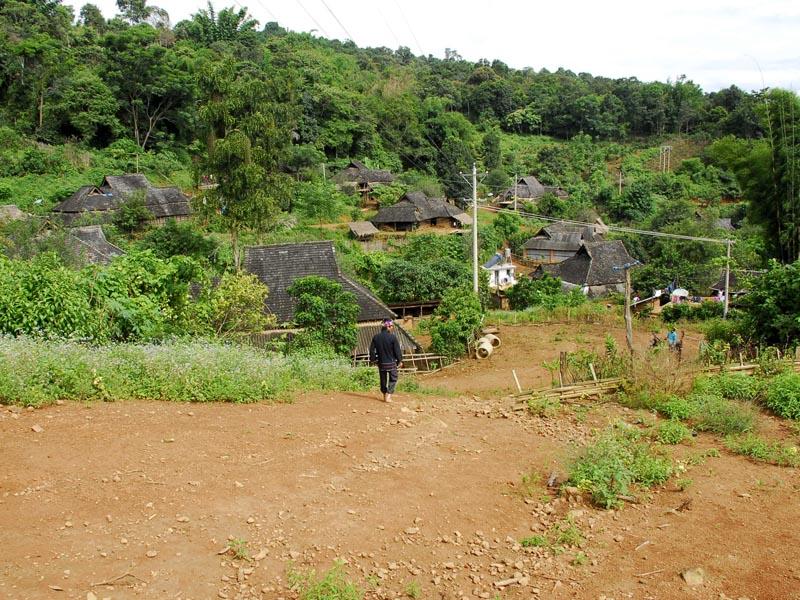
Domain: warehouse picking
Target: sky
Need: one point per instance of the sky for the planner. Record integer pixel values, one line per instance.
(715, 43)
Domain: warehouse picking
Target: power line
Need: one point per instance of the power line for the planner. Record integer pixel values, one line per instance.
(389, 27)
(402, 14)
(333, 14)
(611, 227)
(264, 6)
(310, 16)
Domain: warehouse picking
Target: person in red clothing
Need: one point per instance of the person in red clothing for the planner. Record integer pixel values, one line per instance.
(385, 351)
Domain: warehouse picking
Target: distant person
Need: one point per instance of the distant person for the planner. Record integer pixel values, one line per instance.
(656, 341)
(672, 339)
(385, 351)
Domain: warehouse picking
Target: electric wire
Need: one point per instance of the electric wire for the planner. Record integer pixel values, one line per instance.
(333, 14)
(310, 16)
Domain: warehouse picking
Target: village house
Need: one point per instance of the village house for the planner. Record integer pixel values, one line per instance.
(357, 177)
(415, 209)
(560, 241)
(527, 189)
(362, 230)
(164, 203)
(596, 269)
(91, 244)
(278, 266)
(501, 271)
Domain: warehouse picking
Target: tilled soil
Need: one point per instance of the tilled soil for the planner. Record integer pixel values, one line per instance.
(427, 497)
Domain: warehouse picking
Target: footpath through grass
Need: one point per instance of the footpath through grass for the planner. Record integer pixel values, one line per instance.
(35, 372)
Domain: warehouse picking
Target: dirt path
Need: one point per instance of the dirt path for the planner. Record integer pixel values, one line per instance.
(422, 495)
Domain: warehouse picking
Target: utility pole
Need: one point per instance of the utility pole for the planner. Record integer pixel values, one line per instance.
(474, 223)
(516, 179)
(620, 182)
(727, 282)
(628, 316)
(475, 229)
(324, 177)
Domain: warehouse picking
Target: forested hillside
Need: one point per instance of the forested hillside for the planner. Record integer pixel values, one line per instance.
(270, 115)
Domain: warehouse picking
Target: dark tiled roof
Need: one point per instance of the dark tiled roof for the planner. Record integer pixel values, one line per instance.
(91, 242)
(358, 172)
(88, 199)
(278, 266)
(563, 236)
(594, 264)
(416, 207)
(530, 188)
(162, 202)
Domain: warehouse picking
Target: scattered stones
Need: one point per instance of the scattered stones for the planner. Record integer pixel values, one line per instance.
(151, 553)
(37, 428)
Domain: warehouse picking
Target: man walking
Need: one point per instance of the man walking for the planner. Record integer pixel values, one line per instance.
(385, 351)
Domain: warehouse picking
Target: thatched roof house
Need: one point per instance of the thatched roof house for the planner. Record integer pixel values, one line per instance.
(164, 203)
(91, 243)
(528, 188)
(595, 269)
(362, 230)
(415, 209)
(560, 241)
(362, 180)
(279, 265)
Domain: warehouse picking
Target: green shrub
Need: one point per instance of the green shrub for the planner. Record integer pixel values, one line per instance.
(732, 386)
(782, 395)
(717, 415)
(455, 322)
(677, 408)
(672, 432)
(132, 215)
(614, 462)
(534, 541)
(692, 312)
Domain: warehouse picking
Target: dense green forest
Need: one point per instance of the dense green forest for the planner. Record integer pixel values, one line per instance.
(270, 114)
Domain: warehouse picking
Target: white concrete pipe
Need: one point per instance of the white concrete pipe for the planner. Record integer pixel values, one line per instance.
(493, 339)
(484, 348)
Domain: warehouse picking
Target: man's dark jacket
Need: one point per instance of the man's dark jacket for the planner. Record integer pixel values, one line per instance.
(385, 350)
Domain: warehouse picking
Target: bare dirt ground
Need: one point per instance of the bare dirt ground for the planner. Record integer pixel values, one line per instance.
(420, 498)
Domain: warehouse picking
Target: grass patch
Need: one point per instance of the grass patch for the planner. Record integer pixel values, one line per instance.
(759, 449)
(614, 463)
(589, 312)
(672, 432)
(724, 417)
(560, 535)
(330, 585)
(36, 372)
(543, 407)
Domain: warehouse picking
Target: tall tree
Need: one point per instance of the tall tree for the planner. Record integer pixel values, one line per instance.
(154, 84)
(247, 118)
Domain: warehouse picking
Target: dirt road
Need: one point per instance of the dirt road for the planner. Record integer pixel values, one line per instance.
(427, 497)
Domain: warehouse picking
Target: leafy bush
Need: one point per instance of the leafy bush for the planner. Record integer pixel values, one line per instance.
(236, 305)
(132, 215)
(731, 386)
(34, 372)
(608, 467)
(770, 306)
(455, 322)
(175, 238)
(692, 312)
(42, 297)
(326, 312)
(782, 395)
(545, 292)
(672, 432)
(717, 415)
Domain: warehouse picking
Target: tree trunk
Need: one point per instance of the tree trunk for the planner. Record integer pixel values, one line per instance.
(235, 248)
